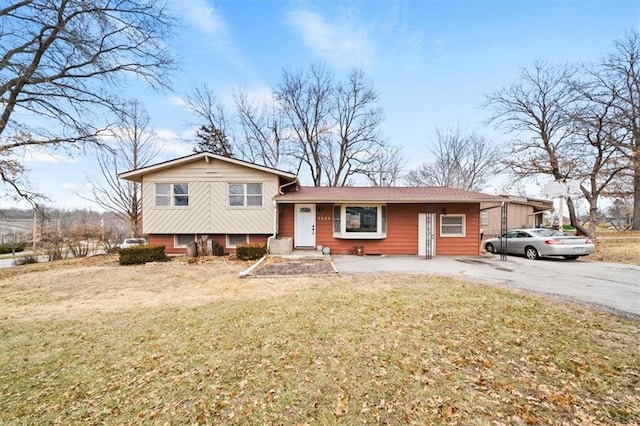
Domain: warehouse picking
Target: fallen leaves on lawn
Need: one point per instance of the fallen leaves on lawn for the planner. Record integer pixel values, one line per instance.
(383, 349)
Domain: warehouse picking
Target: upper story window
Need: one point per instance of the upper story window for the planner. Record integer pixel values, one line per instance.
(245, 195)
(172, 194)
(359, 221)
(452, 225)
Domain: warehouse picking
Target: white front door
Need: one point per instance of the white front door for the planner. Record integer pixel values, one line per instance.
(305, 226)
(426, 235)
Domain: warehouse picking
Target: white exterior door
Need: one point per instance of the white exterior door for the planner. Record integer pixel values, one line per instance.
(305, 226)
(426, 234)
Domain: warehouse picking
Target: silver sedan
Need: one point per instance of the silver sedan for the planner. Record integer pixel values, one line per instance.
(538, 242)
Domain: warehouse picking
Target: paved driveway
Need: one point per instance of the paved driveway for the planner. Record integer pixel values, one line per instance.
(611, 285)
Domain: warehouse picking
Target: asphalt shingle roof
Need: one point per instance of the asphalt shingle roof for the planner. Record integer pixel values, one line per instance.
(384, 194)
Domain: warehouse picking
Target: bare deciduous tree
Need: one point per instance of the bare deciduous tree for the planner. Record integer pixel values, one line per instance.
(598, 163)
(463, 160)
(619, 213)
(306, 102)
(333, 126)
(262, 126)
(214, 134)
(357, 116)
(534, 111)
(563, 129)
(386, 166)
(61, 62)
(619, 74)
(133, 148)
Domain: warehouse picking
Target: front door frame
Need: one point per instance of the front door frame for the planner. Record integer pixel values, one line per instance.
(305, 230)
(426, 236)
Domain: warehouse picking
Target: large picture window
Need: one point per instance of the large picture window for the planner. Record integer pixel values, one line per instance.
(172, 194)
(452, 225)
(359, 221)
(245, 195)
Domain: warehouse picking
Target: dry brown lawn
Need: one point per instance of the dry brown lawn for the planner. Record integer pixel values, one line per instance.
(622, 247)
(92, 342)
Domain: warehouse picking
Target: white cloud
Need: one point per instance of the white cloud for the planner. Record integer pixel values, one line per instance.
(343, 43)
(178, 101)
(204, 16)
(214, 29)
(173, 144)
(260, 96)
(70, 186)
(33, 156)
(167, 134)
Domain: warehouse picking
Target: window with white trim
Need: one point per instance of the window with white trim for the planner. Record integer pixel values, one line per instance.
(245, 194)
(484, 218)
(360, 221)
(234, 239)
(452, 225)
(172, 194)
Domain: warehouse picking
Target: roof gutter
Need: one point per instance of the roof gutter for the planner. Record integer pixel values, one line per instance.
(275, 214)
(285, 185)
(384, 201)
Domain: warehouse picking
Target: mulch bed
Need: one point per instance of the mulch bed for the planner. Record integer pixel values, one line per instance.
(275, 266)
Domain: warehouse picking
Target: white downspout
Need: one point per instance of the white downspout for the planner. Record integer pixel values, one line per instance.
(275, 214)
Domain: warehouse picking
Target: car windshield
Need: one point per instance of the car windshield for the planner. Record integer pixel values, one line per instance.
(548, 233)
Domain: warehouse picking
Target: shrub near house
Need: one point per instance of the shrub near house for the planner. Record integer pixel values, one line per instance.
(251, 251)
(141, 254)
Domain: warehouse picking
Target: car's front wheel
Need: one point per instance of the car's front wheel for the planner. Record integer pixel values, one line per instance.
(531, 253)
(489, 247)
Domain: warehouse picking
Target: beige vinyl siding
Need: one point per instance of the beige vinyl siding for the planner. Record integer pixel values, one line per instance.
(208, 211)
(519, 216)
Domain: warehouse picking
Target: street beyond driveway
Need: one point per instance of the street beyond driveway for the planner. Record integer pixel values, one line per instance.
(611, 285)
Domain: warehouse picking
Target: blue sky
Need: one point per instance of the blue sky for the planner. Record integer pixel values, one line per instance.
(432, 62)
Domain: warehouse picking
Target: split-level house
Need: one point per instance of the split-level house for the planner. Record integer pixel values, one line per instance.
(208, 196)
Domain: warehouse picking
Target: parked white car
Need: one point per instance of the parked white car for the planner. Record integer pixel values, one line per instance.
(132, 242)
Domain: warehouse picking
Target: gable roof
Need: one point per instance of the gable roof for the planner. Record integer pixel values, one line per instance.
(387, 194)
(137, 174)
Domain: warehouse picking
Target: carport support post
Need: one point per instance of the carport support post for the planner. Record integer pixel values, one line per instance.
(428, 229)
(504, 208)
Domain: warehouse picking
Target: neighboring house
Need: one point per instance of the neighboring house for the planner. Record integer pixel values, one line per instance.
(208, 196)
(522, 212)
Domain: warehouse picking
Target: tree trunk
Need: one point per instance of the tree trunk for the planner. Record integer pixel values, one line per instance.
(593, 218)
(574, 219)
(636, 194)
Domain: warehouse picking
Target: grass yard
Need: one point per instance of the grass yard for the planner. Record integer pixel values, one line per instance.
(97, 343)
(622, 247)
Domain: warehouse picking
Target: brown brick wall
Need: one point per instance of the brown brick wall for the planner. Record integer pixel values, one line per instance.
(167, 241)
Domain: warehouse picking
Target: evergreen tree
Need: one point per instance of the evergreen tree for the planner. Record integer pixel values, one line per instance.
(213, 140)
